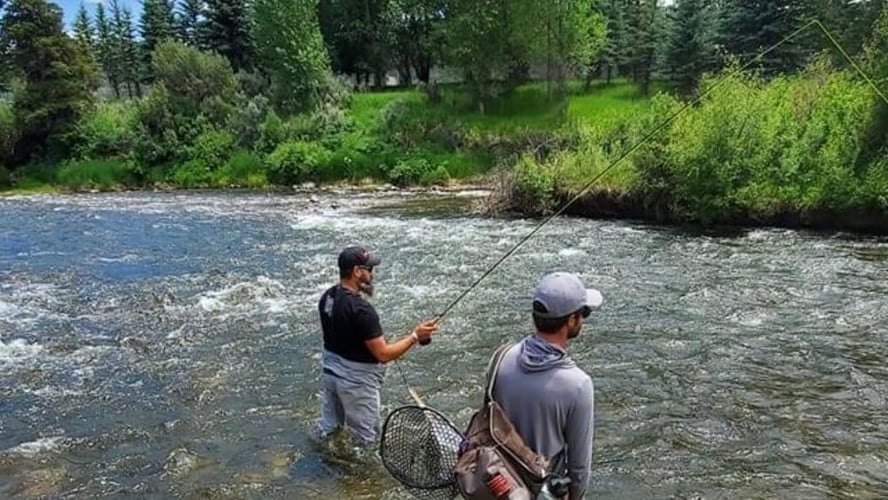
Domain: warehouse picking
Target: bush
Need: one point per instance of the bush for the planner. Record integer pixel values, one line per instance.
(298, 161)
(409, 171)
(247, 120)
(243, 169)
(212, 149)
(197, 81)
(439, 175)
(533, 186)
(107, 131)
(192, 174)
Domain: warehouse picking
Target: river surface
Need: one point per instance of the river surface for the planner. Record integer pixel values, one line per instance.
(166, 345)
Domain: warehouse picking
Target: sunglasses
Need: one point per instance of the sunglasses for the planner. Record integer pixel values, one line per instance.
(585, 311)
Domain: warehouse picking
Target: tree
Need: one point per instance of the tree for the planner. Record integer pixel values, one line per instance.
(192, 23)
(643, 35)
(614, 53)
(192, 77)
(414, 23)
(58, 78)
(228, 31)
(106, 49)
(481, 38)
(125, 53)
(291, 48)
(157, 24)
(83, 32)
(748, 28)
(360, 36)
(690, 50)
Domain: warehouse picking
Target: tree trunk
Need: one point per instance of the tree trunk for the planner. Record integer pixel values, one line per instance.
(404, 76)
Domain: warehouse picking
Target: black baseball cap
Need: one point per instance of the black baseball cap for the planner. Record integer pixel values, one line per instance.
(356, 256)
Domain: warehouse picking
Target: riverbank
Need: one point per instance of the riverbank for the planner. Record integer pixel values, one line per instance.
(809, 151)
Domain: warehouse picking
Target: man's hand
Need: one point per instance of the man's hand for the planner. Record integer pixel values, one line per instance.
(425, 330)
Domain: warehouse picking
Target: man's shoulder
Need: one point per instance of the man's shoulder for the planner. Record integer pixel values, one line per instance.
(329, 291)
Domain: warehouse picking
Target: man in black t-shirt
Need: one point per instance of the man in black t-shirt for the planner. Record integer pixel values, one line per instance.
(355, 350)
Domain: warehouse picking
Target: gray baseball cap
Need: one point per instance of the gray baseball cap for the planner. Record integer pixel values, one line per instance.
(561, 294)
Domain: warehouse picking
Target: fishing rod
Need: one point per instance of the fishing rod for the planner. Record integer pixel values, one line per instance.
(647, 137)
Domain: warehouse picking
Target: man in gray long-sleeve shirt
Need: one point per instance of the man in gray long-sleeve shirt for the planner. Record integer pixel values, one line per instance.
(547, 397)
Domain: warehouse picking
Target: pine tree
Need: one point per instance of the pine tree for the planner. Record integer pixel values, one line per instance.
(228, 31)
(83, 32)
(615, 53)
(125, 51)
(157, 24)
(191, 22)
(690, 44)
(643, 36)
(751, 27)
(105, 49)
(58, 79)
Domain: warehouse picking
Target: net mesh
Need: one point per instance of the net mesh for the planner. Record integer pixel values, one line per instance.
(419, 448)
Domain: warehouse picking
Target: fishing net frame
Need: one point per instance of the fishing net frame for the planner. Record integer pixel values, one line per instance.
(419, 447)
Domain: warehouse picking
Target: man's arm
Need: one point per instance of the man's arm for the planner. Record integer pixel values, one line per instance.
(385, 352)
(382, 350)
(579, 434)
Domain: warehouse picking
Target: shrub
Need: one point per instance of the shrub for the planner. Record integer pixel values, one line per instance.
(243, 169)
(409, 171)
(107, 131)
(297, 161)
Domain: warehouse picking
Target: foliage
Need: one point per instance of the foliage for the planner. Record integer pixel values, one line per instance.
(106, 131)
(290, 45)
(57, 78)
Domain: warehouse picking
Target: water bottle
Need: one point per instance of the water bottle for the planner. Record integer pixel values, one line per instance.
(555, 488)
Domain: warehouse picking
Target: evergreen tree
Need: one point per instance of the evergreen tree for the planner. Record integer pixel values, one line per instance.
(748, 28)
(690, 44)
(157, 24)
(58, 78)
(228, 31)
(127, 62)
(615, 54)
(191, 22)
(105, 49)
(643, 36)
(83, 32)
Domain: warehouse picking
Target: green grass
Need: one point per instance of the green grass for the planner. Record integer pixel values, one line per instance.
(525, 108)
(451, 135)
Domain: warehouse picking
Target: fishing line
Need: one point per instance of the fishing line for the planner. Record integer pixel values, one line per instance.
(647, 137)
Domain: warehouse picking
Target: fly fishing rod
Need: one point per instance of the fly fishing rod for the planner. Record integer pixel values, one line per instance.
(647, 137)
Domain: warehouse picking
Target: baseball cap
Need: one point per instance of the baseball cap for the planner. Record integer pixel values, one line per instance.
(357, 256)
(561, 294)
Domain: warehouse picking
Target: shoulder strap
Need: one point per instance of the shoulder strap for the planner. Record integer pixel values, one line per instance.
(492, 369)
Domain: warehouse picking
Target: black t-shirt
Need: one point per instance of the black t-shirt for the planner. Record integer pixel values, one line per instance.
(347, 321)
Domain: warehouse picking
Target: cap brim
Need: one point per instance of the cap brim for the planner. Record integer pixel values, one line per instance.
(594, 299)
(373, 261)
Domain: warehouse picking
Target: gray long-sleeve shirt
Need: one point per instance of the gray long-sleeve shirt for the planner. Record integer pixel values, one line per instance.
(550, 401)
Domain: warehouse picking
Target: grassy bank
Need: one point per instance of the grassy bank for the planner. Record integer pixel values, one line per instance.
(803, 151)
(397, 137)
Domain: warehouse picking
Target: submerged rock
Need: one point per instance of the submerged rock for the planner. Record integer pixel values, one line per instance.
(180, 462)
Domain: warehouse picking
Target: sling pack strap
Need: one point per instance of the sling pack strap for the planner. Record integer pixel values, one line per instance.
(492, 369)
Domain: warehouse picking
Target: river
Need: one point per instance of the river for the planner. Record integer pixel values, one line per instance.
(160, 345)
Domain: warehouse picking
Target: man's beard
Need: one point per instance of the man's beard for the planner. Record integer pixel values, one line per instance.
(366, 287)
(574, 334)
